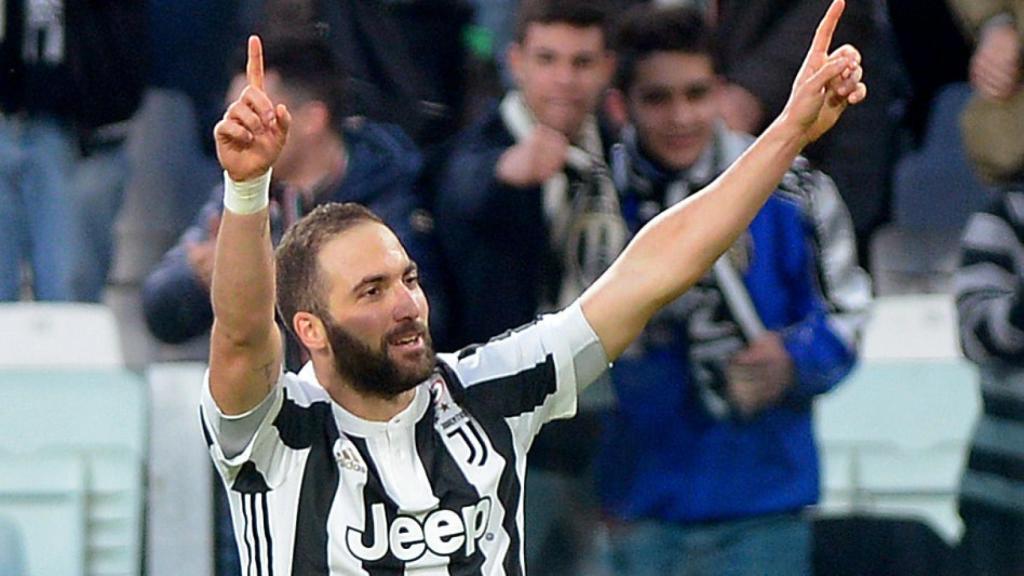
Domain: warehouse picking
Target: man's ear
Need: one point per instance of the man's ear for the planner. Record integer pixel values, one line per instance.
(310, 330)
(514, 59)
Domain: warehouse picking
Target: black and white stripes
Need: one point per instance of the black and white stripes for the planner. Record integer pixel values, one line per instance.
(990, 302)
(256, 533)
(435, 491)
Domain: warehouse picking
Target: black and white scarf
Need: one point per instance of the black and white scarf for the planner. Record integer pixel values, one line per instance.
(586, 229)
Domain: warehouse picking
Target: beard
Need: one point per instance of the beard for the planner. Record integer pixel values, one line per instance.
(374, 372)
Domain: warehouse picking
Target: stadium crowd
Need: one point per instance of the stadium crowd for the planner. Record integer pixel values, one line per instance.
(515, 148)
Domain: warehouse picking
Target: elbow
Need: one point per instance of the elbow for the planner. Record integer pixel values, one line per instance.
(245, 337)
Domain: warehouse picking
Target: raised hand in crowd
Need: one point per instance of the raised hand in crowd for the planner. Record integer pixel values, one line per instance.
(995, 65)
(531, 162)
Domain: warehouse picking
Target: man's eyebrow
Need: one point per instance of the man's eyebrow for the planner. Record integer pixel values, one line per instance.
(373, 279)
(379, 278)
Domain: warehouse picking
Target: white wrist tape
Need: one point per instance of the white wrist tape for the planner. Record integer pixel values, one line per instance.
(247, 197)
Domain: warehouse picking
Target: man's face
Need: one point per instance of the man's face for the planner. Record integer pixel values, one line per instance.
(672, 104)
(378, 328)
(562, 71)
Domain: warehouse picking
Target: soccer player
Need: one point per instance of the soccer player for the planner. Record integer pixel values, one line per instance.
(380, 457)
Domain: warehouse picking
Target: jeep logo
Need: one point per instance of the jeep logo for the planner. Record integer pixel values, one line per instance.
(443, 532)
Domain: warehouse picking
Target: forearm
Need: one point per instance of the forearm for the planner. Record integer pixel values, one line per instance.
(821, 356)
(678, 246)
(245, 345)
(675, 249)
(243, 278)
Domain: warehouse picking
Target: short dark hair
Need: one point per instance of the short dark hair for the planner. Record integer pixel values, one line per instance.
(649, 28)
(309, 71)
(578, 13)
(301, 285)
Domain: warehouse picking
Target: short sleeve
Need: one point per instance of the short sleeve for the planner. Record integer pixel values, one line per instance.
(249, 437)
(531, 375)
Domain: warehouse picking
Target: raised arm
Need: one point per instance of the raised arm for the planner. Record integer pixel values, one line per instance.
(675, 249)
(245, 345)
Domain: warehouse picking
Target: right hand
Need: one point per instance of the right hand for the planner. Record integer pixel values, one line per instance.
(534, 160)
(995, 65)
(253, 131)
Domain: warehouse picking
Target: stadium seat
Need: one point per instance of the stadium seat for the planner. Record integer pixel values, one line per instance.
(935, 190)
(913, 261)
(935, 187)
(873, 545)
(179, 519)
(58, 334)
(893, 437)
(44, 499)
(93, 424)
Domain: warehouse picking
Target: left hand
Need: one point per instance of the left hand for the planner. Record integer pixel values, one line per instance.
(826, 83)
(759, 375)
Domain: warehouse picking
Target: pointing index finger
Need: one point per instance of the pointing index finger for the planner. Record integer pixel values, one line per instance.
(827, 26)
(254, 66)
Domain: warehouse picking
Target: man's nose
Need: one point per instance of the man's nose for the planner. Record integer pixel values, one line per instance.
(406, 305)
(682, 111)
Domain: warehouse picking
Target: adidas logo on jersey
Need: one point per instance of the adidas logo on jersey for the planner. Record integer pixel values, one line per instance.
(348, 457)
(444, 532)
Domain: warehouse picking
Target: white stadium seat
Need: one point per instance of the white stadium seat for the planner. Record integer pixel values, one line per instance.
(893, 437)
(179, 523)
(90, 427)
(52, 334)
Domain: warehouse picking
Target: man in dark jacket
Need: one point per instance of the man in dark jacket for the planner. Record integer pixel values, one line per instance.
(528, 217)
(527, 186)
(71, 75)
(328, 158)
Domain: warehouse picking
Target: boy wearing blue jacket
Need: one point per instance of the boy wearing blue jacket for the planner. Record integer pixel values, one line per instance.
(710, 458)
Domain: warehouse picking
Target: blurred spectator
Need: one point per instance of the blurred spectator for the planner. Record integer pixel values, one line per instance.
(406, 61)
(327, 158)
(528, 183)
(757, 55)
(70, 73)
(933, 52)
(192, 45)
(990, 302)
(110, 86)
(994, 119)
(709, 460)
(527, 208)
